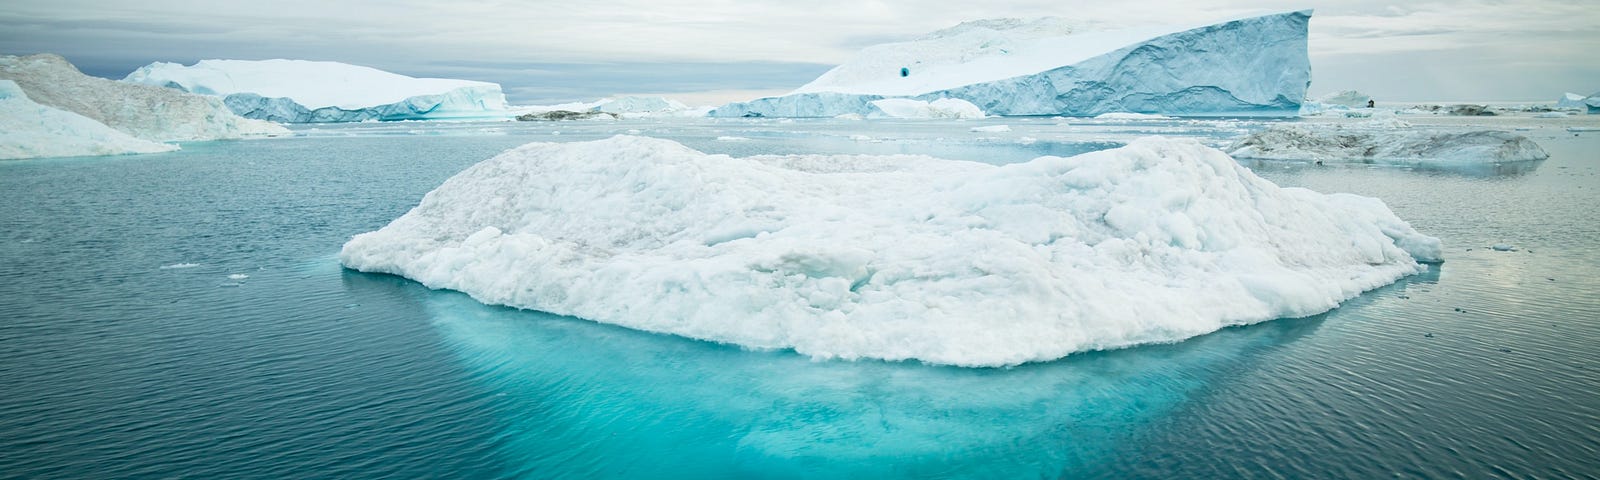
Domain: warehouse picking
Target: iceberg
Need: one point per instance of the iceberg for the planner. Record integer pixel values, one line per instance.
(31, 130)
(1572, 101)
(894, 257)
(941, 108)
(1255, 66)
(1386, 140)
(150, 113)
(301, 91)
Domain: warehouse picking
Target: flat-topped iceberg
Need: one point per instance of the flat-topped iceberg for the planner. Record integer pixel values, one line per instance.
(1385, 139)
(150, 113)
(894, 257)
(31, 130)
(302, 91)
(1250, 66)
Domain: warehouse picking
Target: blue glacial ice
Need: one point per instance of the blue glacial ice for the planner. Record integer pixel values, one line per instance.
(299, 91)
(895, 257)
(1255, 66)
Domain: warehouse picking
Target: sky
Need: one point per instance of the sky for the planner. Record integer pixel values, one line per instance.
(712, 51)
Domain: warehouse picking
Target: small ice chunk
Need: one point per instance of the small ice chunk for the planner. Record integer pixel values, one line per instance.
(992, 129)
(238, 276)
(177, 266)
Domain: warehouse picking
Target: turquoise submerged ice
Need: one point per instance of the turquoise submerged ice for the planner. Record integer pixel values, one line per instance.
(895, 257)
(1252, 66)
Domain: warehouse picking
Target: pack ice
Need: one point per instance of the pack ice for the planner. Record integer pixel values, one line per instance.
(1252, 66)
(149, 113)
(1388, 139)
(894, 257)
(301, 91)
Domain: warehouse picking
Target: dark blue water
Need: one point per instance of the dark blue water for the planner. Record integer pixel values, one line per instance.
(111, 366)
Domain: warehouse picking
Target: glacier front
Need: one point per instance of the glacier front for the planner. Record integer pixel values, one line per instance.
(1255, 66)
(301, 91)
(894, 257)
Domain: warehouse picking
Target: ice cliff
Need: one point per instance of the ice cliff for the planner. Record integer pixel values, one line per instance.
(150, 113)
(300, 91)
(31, 130)
(1385, 139)
(1251, 66)
(894, 257)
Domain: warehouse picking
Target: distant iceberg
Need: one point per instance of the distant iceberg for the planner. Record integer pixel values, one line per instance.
(1572, 101)
(1385, 139)
(895, 257)
(941, 108)
(149, 113)
(301, 91)
(1254, 66)
(31, 130)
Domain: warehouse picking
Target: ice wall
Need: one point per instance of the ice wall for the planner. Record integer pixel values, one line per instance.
(300, 91)
(894, 257)
(151, 113)
(1251, 66)
(31, 130)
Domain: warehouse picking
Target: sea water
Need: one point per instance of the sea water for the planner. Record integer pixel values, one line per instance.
(182, 315)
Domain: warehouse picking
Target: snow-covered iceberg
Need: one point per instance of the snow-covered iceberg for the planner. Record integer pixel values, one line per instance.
(31, 130)
(1250, 66)
(894, 257)
(150, 113)
(301, 91)
(1386, 140)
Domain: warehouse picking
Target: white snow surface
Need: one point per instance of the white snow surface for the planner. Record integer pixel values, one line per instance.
(312, 84)
(1385, 138)
(941, 108)
(151, 113)
(894, 257)
(31, 130)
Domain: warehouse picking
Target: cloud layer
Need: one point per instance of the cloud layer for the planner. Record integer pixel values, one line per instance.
(550, 51)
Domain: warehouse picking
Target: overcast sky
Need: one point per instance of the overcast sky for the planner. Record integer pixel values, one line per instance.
(717, 50)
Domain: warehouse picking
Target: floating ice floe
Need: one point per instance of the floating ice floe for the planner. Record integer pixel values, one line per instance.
(895, 257)
(178, 266)
(941, 108)
(991, 129)
(1386, 139)
(1130, 116)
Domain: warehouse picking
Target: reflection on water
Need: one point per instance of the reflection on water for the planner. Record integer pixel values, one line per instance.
(597, 400)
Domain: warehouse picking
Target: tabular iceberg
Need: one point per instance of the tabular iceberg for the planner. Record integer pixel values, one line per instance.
(150, 113)
(1254, 66)
(300, 91)
(31, 130)
(1385, 139)
(894, 257)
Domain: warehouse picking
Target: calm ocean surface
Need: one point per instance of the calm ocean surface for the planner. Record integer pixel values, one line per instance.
(183, 315)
